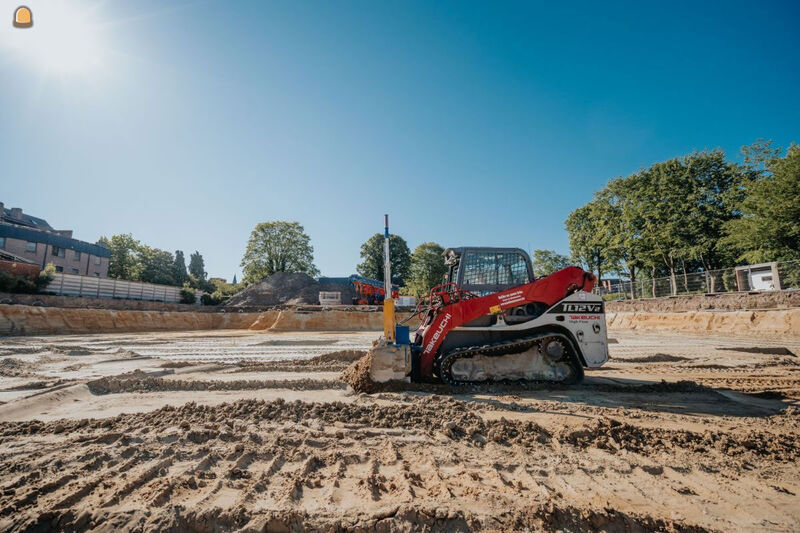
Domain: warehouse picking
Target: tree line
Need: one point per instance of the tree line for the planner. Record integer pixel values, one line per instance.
(697, 212)
(281, 246)
(133, 261)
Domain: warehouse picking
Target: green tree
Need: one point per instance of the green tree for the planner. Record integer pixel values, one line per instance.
(197, 267)
(372, 255)
(585, 238)
(427, 268)
(157, 266)
(277, 246)
(545, 262)
(179, 268)
(759, 155)
(621, 227)
(769, 229)
(124, 262)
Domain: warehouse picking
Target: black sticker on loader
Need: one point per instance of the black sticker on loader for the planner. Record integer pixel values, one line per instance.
(578, 307)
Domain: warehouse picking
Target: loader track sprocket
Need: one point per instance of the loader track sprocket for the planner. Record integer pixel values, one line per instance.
(565, 363)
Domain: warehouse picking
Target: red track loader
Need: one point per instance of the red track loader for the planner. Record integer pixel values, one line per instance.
(492, 321)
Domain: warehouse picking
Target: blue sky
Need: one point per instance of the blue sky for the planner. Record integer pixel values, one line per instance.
(470, 123)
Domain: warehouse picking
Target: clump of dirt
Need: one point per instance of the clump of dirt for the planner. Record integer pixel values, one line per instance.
(285, 288)
(656, 358)
(357, 375)
(177, 364)
(69, 350)
(15, 368)
(127, 354)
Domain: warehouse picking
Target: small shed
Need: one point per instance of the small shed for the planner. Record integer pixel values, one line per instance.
(760, 277)
(327, 298)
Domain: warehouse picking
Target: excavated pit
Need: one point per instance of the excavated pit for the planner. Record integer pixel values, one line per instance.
(272, 430)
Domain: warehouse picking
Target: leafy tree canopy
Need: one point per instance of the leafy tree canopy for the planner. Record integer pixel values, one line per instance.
(372, 255)
(277, 246)
(545, 262)
(197, 267)
(427, 268)
(124, 262)
(769, 229)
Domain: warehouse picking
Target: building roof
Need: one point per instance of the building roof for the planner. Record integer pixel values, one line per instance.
(34, 235)
(26, 220)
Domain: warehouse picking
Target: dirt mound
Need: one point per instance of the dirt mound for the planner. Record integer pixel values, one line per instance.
(357, 375)
(768, 350)
(411, 517)
(15, 368)
(110, 385)
(656, 358)
(613, 435)
(284, 288)
(342, 356)
(329, 362)
(69, 350)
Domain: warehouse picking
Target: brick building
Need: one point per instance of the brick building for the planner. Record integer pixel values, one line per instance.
(31, 239)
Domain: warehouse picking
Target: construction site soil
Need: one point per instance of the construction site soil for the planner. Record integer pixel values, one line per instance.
(257, 431)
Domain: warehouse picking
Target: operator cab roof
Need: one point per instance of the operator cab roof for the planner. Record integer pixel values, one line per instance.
(452, 254)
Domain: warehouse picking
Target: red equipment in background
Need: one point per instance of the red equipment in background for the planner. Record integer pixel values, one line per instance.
(370, 291)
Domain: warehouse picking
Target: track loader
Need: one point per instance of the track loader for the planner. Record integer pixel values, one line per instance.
(492, 321)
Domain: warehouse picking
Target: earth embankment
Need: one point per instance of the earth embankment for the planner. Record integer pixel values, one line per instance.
(776, 323)
(734, 301)
(36, 320)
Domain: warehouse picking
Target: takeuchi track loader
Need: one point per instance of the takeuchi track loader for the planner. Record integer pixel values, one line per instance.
(492, 321)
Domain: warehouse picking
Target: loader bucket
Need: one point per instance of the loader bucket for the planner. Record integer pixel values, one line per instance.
(390, 362)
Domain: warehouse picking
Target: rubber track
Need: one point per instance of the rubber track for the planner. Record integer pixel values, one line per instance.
(504, 348)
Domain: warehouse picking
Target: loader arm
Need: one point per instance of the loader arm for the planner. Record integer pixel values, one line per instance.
(455, 312)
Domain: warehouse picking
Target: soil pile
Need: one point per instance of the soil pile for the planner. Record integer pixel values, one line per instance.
(284, 288)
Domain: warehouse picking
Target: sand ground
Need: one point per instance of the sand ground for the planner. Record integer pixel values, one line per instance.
(236, 430)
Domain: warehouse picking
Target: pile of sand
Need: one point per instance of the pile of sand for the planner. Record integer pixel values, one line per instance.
(283, 288)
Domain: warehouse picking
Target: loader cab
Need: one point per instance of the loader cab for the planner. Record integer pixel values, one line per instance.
(486, 270)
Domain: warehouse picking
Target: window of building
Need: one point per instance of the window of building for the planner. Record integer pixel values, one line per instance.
(2, 242)
(78, 255)
(97, 274)
(58, 252)
(97, 260)
(30, 247)
(74, 270)
(59, 269)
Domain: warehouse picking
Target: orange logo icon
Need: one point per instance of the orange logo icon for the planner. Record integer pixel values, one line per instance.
(23, 17)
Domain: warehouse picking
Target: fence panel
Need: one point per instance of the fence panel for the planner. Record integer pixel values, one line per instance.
(92, 287)
(739, 279)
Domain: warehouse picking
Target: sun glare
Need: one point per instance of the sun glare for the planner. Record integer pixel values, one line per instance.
(65, 39)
